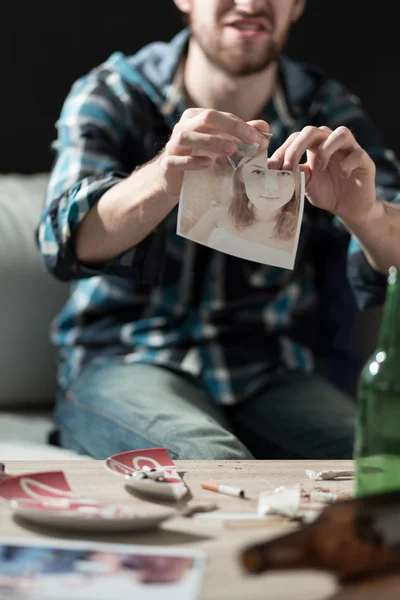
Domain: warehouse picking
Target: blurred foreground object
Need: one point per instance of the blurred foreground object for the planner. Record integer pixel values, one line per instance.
(350, 539)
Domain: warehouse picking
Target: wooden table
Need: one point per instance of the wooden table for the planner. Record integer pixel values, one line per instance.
(224, 578)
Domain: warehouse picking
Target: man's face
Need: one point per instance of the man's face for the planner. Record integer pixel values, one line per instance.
(241, 37)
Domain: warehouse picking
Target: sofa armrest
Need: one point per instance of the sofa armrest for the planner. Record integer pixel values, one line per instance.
(29, 297)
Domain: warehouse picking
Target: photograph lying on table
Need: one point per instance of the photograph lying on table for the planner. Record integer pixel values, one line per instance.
(85, 570)
(246, 210)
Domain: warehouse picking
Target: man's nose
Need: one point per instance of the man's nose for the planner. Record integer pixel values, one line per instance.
(250, 6)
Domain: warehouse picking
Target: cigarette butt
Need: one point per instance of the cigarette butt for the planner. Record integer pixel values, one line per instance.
(222, 489)
(322, 496)
(200, 507)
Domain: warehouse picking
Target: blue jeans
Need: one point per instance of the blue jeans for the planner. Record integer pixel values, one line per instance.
(114, 407)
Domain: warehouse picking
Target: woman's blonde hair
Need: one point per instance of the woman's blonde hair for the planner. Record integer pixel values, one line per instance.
(241, 210)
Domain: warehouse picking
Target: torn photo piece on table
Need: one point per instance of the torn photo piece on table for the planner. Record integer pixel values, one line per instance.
(286, 501)
(241, 207)
(55, 569)
(149, 471)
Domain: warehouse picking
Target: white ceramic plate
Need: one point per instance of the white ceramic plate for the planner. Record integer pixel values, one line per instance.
(96, 517)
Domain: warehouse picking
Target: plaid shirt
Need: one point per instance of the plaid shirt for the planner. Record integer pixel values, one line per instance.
(232, 323)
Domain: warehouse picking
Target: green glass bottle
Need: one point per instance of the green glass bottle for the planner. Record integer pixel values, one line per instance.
(377, 443)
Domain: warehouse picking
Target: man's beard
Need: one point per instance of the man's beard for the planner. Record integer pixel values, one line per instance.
(249, 59)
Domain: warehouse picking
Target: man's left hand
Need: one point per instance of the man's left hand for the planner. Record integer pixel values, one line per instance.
(339, 174)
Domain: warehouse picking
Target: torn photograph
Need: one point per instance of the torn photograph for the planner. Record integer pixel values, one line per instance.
(61, 570)
(240, 207)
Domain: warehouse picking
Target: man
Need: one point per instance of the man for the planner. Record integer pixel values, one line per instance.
(167, 343)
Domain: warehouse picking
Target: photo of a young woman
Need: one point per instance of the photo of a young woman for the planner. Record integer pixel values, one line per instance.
(261, 222)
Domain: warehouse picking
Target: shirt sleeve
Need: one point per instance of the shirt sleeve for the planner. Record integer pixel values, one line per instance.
(96, 125)
(337, 106)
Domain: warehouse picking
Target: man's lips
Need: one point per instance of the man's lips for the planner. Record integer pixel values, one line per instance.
(255, 24)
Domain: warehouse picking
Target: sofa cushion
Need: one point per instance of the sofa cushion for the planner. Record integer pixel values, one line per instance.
(24, 434)
(29, 297)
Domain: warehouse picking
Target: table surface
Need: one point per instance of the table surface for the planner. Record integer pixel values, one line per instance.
(224, 578)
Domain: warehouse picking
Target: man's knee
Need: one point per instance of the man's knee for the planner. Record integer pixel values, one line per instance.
(208, 449)
(106, 414)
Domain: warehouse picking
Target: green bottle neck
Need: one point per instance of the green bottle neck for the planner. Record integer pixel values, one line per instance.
(389, 335)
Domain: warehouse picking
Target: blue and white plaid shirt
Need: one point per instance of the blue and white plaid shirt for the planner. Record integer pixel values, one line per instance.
(169, 301)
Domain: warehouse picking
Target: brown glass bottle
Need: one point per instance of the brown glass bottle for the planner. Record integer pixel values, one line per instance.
(350, 539)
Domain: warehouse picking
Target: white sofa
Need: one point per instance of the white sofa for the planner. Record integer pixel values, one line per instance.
(29, 299)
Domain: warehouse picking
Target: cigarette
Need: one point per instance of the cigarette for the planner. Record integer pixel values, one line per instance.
(328, 496)
(222, 489)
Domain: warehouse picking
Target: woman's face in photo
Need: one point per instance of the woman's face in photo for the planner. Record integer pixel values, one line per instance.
(267, 190)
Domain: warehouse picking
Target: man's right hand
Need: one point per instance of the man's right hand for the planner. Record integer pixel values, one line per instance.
(131, 209)
(204, 130)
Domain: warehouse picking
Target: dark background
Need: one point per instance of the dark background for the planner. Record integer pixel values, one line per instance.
(45, 46)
